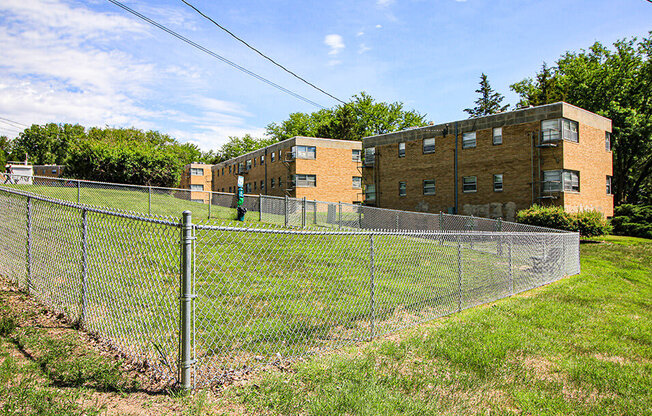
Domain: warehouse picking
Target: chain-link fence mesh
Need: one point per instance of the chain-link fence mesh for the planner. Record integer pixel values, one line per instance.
(319, 275)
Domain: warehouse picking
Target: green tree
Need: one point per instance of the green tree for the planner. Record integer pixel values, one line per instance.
(615, 83)
(5, 149)
(489, 101)
(46, 144)
(237, 146)
(360, 117)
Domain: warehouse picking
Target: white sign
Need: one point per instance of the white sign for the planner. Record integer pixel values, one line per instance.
(240, 181)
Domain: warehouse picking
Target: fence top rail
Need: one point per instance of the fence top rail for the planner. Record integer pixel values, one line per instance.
(171, 221)
(450, 233)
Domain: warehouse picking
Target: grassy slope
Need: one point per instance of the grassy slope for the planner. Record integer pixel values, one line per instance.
(580, 346)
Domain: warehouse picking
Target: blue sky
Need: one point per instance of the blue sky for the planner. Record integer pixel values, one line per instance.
(90, 62)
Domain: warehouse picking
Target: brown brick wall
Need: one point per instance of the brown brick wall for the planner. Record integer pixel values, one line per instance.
(516, 158)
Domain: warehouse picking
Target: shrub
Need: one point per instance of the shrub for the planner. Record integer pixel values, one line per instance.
(588, 223)
(633, 220)
(551, 217)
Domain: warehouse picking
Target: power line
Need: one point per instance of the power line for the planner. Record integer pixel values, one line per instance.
(213, 54)
(260, 53)
(7, 121)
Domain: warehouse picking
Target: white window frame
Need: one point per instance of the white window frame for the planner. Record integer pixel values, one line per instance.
(557, 129)
(304, 181)
(561, 180)
(427, 147)
(497, 136)
(402, 188)
(194, 187)
(193, 172)
(356, 155)
(357, 182)
(401, 149)
(271, 159)
(498, 182)
(429, 187)
(468, 140)
(304, 152)
(470, 184)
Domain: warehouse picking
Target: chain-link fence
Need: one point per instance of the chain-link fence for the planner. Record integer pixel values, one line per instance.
(285, 211)
(201, 302)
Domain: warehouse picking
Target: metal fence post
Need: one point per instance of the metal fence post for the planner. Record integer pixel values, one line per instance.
(210, 202)
(314, 201)
(459, 272)
(78, 192)
(286, 210)
(373, 283)
(339, 207)
(186, 296)
(149, 200)
(511, 271)
(499, 228)
(29, 245)
(84, 268)
(303, 213)
(260, 207)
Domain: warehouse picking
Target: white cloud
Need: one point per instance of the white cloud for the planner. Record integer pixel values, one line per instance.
(335, 42)
(363, 48)
(384, 3)
(60, 64)
(360, 33)
(379, 26)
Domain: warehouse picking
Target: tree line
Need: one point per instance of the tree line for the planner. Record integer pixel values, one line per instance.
(614, 82)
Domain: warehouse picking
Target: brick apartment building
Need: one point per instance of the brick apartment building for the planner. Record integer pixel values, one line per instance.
(197, 177)
(53, 171)
(495, 165)
(314, 168)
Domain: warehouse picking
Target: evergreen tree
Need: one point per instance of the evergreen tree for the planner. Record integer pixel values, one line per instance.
(489, 101)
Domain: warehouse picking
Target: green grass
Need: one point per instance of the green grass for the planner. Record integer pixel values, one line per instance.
(580, 346)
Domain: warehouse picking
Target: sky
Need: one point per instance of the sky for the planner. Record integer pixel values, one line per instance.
(90, 62)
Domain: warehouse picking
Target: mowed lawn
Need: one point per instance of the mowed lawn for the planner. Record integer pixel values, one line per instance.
(580, 346)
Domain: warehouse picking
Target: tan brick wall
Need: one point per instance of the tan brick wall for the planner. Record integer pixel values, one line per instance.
(333, 168)
(590, 157)
(206, 180)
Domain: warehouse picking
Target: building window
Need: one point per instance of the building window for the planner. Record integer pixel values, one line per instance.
(229, 168)
(304, 181)
(196, 187)
(558, 129)
(370, 192)
(429, 187)
(201, 201)
(609, 189)
(468, 140)
(402, 189)
(355, 155)
(272, 182)
(222, 171)
(558, 180)
(357, 182)
(248, 164)
(469, 184)
(262, 159)
(369, 156)
(229, 189)
(498, 135)
(54, 171)
(429, 145)
(217, 173)
(304, 152)
(498, 182)
(262, 185)
(401, 149)
(255, 184)
(607, 141)
(279, 181)
(241, 167)
(193, 172)
(254, 159)
(248, 188)
(272, 157)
